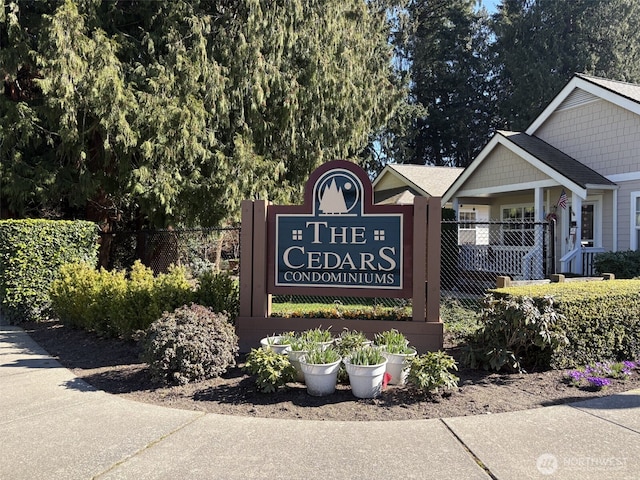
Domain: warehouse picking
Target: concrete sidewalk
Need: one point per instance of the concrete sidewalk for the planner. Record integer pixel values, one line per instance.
(53, 425)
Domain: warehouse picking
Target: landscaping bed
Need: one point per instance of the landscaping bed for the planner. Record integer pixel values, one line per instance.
(114, 366)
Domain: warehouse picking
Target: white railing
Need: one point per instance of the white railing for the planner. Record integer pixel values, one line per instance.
(520, 263)
(580, 260)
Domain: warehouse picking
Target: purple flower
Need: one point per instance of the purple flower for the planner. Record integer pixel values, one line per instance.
(629, 365)
(575, 375)
(599, 382)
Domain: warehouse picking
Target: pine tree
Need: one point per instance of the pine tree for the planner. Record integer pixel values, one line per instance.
(448, 116)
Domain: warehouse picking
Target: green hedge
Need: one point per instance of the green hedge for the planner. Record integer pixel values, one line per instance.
(115, 303)
(31, 253)
(601, 319)
(622, 264)
(119, 303)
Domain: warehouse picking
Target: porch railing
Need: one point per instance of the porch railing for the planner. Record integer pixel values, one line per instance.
(580, 261)
(518, 262)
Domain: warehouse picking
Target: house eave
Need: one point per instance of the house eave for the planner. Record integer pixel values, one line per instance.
(389, 170)
(594, 89)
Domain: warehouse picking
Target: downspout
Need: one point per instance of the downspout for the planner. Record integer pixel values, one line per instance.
(615, 220)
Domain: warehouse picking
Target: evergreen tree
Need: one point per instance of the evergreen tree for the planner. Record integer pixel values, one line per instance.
(448, 118)
(540, 44)
(174, 111)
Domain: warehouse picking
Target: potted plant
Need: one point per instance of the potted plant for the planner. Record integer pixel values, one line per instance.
(398, 362)
(347, 342)
(389, 338)
(398, 353)
(320, 367)
(277, 343)
(299, 346)
(318, 336)
(366, 368)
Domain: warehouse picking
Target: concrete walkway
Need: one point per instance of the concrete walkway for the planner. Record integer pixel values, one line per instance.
(55, 426)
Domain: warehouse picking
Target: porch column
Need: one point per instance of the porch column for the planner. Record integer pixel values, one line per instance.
(538, 232)
(576, 209)
(455, 204)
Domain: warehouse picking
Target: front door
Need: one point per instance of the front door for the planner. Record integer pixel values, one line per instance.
(590, 225)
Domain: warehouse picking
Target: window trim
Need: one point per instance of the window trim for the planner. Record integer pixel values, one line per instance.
(633, 228)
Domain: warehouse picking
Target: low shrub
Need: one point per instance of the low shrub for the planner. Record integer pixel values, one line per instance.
(431, 372)
(272, 370)
(220, 292)
(31, 254)
(114, 303)
(601, 320)
(623, 265)
(517, 333)
(189, 344)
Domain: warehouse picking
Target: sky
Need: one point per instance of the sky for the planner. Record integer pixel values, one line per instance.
(491, 5)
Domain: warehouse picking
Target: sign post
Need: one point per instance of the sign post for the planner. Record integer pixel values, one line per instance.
(337, 244)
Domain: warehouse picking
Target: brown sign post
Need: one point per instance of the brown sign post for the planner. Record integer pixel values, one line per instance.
(339, 244)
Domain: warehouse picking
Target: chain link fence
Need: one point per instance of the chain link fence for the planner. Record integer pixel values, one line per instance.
(474, 254)
(198, 250)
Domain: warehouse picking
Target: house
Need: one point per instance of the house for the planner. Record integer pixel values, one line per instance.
(573, 174)
(398, 184)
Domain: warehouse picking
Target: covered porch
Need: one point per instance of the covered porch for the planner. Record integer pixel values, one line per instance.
(551, 213)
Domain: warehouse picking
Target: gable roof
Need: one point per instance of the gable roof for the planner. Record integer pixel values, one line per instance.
(628, 90)
(543, 156)
(559, 161)
(583, 88)
(428, 180)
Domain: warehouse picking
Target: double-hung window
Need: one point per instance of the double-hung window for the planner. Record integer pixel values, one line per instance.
(518, 225)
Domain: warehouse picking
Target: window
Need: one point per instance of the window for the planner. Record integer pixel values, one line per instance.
(467, 231)
(519, 227)
(635, 221)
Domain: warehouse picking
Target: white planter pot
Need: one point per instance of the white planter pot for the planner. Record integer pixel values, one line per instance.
(294, 358)
(271, 343)
(321, 379)
(365, 380)
(398, 366)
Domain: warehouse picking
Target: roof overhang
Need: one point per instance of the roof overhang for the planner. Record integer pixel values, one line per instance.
(587, 86)
(555, 177)
(389, 170)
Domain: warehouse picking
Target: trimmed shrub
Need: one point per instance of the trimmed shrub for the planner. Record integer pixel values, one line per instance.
(31, 254)
(190, 344)
(623, 265)
(220, 292)
(114, 304)
(601, 320)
